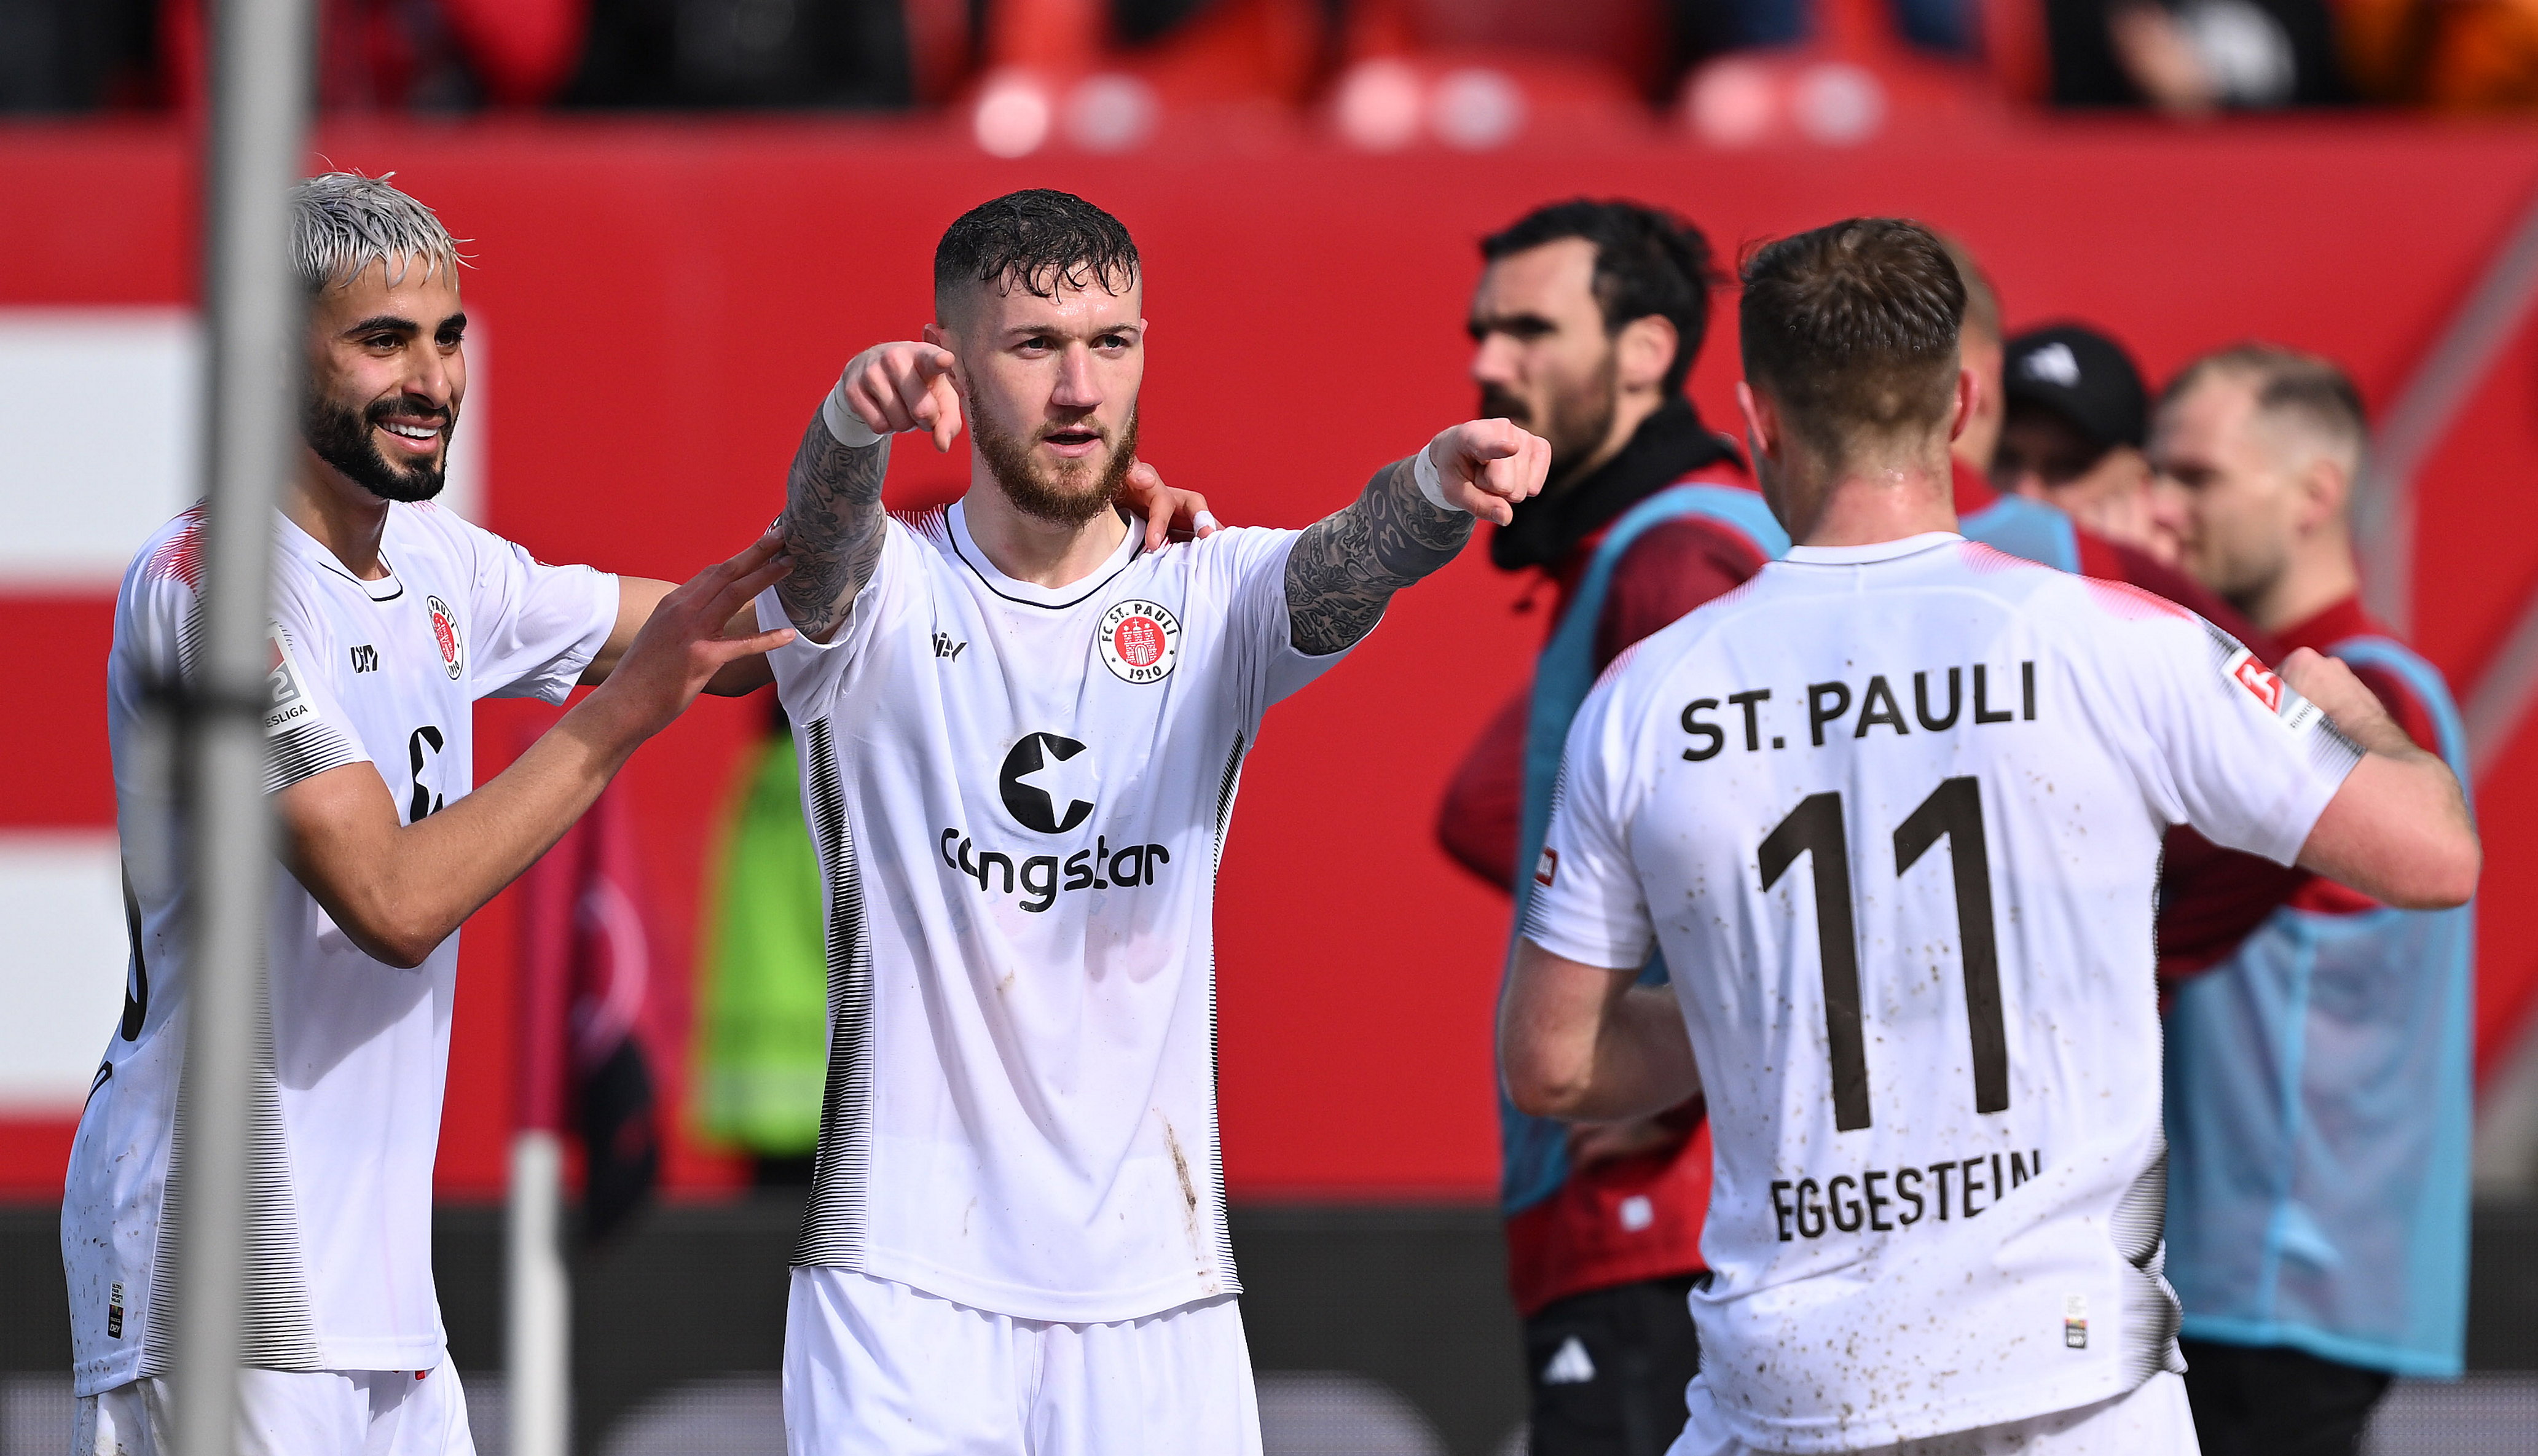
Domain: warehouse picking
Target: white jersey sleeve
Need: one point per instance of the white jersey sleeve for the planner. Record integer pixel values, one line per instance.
(537, 626)
(1268, 666)
(2235, 753)
(1586, 904)
(308, 730)
(807, 671)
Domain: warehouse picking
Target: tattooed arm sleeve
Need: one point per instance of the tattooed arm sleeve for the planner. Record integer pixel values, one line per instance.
(1345, 566)
(833, 527)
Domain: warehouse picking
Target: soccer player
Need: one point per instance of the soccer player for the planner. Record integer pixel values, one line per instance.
(1892, 812)
(391, 616)
(1021, 738)
(2318, 1102)
(1585, 324)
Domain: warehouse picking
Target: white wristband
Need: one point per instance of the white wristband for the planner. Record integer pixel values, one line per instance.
(842, 424)
(1423, 471)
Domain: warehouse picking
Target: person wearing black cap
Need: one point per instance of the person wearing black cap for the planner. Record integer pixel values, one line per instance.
(2072, 436)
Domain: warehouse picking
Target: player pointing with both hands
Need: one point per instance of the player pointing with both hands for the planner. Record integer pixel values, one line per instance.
(1023, 720)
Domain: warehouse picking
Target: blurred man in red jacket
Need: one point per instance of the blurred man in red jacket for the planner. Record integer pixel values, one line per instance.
(1585, 323)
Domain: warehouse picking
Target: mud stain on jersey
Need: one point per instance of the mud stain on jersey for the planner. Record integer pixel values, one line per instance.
(1180, 1170)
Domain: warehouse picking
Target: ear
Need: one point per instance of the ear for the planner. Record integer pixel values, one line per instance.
(1762, 421)
(2327, 489)
(1643, 351)
(1970, 398)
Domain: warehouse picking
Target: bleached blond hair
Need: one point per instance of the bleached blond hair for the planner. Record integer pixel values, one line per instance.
(341, 223)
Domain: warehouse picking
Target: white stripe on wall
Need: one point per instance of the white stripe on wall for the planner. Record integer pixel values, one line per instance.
(100, 412)
(62, 956)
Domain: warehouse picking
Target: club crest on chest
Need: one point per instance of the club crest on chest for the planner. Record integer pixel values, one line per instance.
(1140, 641)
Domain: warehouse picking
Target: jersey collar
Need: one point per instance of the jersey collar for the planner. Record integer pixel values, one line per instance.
(1031, 594)
(1875, 551)
(308, 547)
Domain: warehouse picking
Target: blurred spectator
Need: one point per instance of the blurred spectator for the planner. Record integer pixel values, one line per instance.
(75, 55)
(745, 53)
(763, 1027)
(2195, 57)
(2452, 54)
(2317, 1076)
(2075, 416)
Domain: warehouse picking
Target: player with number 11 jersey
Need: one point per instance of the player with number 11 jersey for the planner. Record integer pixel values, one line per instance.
(1891, 814)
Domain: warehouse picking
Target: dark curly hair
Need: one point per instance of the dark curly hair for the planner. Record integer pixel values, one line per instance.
(1648, 261)
(1853, 329)
(1035, 240)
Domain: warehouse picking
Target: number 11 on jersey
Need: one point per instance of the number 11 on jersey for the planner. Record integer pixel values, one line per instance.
(1953, 811)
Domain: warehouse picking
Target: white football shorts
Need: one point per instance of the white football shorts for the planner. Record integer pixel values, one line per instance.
(2150, 1420)
(877, 1368)
(294, 1412)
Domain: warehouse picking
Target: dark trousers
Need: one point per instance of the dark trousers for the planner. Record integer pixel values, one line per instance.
(1619, 1391)
(2275, 1401)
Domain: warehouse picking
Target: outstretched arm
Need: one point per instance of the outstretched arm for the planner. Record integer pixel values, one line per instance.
(1347, 565)
(399, 889)
(832, 519)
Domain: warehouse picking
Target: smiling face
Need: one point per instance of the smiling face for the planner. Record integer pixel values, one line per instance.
(1051, 386)
(386, 377)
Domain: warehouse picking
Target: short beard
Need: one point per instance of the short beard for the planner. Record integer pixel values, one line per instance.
(1009, 460)
(1580, 421)
(341, 436)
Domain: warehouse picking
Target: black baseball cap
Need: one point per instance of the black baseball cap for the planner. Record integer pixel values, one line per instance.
(2082, 377)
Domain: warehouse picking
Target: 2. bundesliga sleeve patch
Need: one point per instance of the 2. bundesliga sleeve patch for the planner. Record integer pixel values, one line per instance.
(2267, 687)
(1139, 640)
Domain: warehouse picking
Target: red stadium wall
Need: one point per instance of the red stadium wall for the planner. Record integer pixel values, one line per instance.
(667, 303)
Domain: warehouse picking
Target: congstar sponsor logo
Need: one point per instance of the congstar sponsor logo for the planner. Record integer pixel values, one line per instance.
(1050, 785)
(1040, 879)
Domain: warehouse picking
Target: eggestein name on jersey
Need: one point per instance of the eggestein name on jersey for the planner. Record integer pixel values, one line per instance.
(1938, 703)
(1050, 785)
(1883, 1200)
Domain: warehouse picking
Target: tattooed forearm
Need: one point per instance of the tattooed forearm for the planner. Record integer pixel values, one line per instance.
(833, 528)
(1345, 566)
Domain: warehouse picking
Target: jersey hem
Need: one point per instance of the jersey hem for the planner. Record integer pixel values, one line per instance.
(105, 1372)
(382, 1354)
(1024, 1301)
(2028, 1402)
(2343, 1350)
(1569, 946)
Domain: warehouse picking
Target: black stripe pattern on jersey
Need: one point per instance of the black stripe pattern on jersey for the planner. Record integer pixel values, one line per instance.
(834, 1222)
(277, 1320)
(1232, 1283)
(2152, 1315)
(304, 753)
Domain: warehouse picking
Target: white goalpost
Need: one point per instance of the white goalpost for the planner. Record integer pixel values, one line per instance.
(260, 93)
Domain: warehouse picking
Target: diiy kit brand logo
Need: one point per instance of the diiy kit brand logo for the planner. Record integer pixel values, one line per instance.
(1049, 785)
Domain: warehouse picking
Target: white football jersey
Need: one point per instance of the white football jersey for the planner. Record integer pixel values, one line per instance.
(348, 1087)
(1892, 815)
(1017, 795)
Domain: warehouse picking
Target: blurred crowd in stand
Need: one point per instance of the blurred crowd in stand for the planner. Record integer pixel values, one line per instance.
(1387, 73)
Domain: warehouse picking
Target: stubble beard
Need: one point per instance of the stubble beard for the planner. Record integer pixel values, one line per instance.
(340, 434)
(1579, 421)
(1041, 493)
